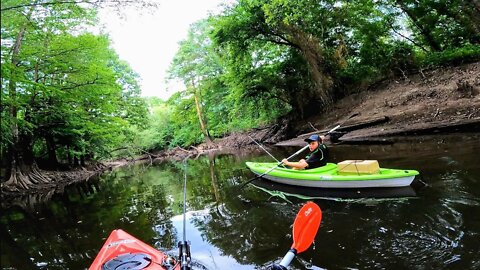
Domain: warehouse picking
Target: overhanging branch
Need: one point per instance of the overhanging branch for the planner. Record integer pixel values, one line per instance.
(94, 3)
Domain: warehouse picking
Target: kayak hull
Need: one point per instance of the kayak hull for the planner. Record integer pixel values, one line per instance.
(282, 190)
(328, 177)
(393, 182)
(123, 251)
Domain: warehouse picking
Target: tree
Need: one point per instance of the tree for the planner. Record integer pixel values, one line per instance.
(249, 26)
(67, 93)
(195, 63)
(443, 24)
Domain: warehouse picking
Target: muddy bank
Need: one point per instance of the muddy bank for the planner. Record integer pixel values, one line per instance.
(435, 101)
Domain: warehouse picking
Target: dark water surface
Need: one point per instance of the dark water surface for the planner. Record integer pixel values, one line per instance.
(425, 227)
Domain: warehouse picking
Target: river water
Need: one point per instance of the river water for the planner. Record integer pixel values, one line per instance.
(435, 224)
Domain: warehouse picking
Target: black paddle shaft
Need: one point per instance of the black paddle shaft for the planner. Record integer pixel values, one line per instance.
(184, 245)
(185, 256)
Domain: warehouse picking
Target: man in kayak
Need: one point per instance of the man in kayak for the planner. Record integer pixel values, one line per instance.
(316, 158)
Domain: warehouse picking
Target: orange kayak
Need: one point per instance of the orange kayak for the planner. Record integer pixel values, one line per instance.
(123, 251)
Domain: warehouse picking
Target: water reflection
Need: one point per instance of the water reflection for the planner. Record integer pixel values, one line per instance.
(306, 193)
(417, 228)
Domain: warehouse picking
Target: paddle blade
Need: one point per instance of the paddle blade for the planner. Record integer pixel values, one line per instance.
(305, 226)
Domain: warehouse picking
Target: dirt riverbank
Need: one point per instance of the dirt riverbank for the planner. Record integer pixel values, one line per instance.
(441, 100)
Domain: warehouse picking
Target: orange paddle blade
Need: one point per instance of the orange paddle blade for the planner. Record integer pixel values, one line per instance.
(306, 226)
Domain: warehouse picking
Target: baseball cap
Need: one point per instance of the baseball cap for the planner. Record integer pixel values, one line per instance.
(312, 138)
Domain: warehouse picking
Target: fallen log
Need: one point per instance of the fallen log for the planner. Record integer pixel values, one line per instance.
(463, 125)
(365, 124)
(366, 141)
(358, 125)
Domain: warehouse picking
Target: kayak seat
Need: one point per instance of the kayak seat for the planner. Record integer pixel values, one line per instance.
(130, 261)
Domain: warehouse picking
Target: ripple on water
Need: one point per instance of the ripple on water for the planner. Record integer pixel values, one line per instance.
(433, 239)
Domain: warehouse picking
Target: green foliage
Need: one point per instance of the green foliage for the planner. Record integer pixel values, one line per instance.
(455, 56)
(69, 89)
(444, 24)
(250, 68)
(252, 64)
(160, 131)
(377, 63)
(225, 101)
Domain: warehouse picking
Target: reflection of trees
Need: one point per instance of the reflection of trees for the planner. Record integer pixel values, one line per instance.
(245, 225)
(209, 180)
(26, 201)
(244, 232)
(238, 228)
(16, 255)
(71, 227)
(157, 211)
(52, 238)
(213, 176)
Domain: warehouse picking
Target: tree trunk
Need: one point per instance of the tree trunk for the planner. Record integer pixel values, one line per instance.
(69, 156)
(51, 149)
(12, 92)
(316, 60)
(23, 171)
(16, 163)
(472, 9)
(82, 160)
(201, 117)
(76, 162)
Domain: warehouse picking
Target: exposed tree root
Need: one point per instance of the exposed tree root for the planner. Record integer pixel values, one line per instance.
(31, 179)
(27, 177)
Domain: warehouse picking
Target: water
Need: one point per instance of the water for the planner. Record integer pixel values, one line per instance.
(436, 226)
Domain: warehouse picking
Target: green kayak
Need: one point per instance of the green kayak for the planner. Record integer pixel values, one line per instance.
(328, 176)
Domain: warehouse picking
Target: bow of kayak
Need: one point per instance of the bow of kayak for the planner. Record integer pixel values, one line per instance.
(123, 251)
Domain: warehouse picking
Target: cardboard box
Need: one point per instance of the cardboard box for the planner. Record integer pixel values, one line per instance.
(358, 167)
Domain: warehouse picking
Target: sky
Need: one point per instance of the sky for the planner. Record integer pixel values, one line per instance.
(148, 41)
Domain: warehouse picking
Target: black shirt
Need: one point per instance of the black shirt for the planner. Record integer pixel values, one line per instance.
(318, 157)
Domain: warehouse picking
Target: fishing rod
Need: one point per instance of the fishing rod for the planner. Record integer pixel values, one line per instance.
(265, 150)
(184, 245)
